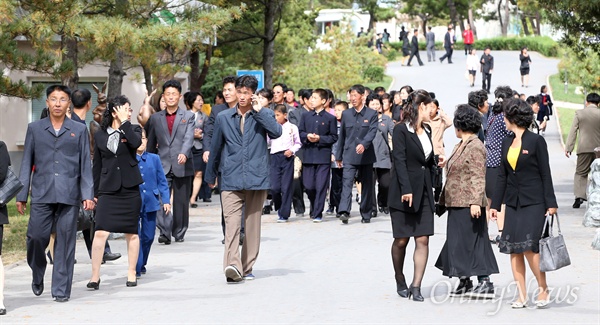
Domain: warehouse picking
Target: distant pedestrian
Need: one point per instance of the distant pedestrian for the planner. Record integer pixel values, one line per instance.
(414, 49)
(361, 33)
(524, 68)
(383, 151)
(546, 104)
(405, 48)
(403, 33)
(586, 130)
(402, 96)
(448, 46)
(337, 172)
(430, 44)
(468, 38)
(534, 102)
(487, 67)
(472, 66)
(386, 36)
(194, 102)
(379, 43)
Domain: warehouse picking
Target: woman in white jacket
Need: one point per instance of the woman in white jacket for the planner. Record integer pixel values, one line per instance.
(472, 67)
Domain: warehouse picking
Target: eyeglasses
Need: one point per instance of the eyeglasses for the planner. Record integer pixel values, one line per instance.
(61, 100)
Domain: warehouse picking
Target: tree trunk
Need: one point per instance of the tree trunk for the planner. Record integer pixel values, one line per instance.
(506, 16)
(147, 78)
(461, 23)
(269, 42)
(538, 27)
(70, 45)
(453, 12)
(206, 65)
(503, 27)
(115, 76)
(424, 24)
(525, 26)
(472, 22)
(197, 76)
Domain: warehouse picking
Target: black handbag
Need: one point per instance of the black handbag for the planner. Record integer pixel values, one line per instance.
(10, 187)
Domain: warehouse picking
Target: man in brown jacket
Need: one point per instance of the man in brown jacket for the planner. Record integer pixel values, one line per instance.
(587, 122)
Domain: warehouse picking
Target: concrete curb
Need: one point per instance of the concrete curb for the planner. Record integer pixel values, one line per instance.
(562, 142)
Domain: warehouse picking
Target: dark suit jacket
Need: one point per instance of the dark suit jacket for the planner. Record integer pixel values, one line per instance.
(414, 45)
(4, 163)
(323, 124)
(113, 171)
(531, 182)
(411, 172)
(209, 126)
(447, 41)
(357, 128)
(487, 63)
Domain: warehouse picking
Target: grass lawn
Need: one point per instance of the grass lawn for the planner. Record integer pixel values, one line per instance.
(566, 116)
(15, 235)
(558, 91)
(385, 83)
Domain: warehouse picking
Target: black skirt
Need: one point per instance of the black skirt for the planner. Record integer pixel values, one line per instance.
(467, 250)
(118, 212)
(416, 224)
(199, 165)
(522, 229)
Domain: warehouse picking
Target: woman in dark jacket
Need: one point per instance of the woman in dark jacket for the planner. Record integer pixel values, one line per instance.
(525, 183)
(411, 195)
(4, 163)
(116, 185)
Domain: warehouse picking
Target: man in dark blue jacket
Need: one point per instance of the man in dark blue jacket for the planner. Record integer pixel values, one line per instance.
(239, 146)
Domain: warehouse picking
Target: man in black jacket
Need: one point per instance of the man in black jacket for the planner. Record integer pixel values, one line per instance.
(487, 66)
(414, 48)
(448, 46)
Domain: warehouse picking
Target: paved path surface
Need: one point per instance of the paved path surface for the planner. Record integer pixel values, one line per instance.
(323, 273)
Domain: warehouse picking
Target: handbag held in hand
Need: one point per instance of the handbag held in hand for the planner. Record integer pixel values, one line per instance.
(10, 187)
(553, 251)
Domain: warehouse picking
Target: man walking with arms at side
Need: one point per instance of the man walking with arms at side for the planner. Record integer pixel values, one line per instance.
(487, 66)
(448, 46)
(430, 45)
(171, 136)
(587, 123)
(414, 48)
(59, 148)
(239, 145)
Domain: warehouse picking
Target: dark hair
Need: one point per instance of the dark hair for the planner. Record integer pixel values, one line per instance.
(523, 49)
(322, 93)
(229, 80)
(386, 96)
(478, 98)
(358, 88)
(374, 97)
(393, 94)
(80, 97)
(429, 27)
(471, 50)
(533, 99)
(330, 95)
(411, 108)
(266, 93)
(107, 117)
(542, 88)
(593, 98)
(290, 89)
(432, 95)
(219, 94)
(54, 88)
(467, 119)
(378, 89)
(502, 93)
(436, 103)
(408, 88)
(282, 85)
(415, 30)
(342, 103)
(488, 48)
(172, 84)
(305, 93)
(281, 108)
(368, 90)
(516, 93)
(247, 81)
(518, 112)
(190, 97)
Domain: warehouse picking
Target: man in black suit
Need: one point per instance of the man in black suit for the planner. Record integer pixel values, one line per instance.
(448, 46)
(414, 48)
(487, 66)
(357, 131)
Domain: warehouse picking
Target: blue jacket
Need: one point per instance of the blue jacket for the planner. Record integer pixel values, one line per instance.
(324, 125)
(155, 182)
(243, 156)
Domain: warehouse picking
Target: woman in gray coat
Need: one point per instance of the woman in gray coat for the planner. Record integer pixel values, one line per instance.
(383, 150)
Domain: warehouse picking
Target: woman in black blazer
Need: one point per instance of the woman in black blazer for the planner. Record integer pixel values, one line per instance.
(525, 183)
(4, 163)
(116, 185)
(410, 194)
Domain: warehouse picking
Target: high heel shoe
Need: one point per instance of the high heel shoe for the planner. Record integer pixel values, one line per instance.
(94, 285)
(402, 289)
(415, 292)
(131, 283)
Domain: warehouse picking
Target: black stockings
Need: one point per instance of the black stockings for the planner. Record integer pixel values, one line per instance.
(419, 258)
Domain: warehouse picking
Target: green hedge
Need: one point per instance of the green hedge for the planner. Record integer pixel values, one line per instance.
(542, 44)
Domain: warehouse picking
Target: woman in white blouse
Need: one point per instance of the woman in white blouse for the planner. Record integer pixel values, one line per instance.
(472, 67)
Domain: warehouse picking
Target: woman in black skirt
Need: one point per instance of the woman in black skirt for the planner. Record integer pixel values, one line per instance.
(116, 185)
(525, 182)
(194, 101)
(467, 250)
(410, 194)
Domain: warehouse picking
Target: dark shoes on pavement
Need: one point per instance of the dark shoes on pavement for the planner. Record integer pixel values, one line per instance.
(577, 203)
(484, 290)
(93, 285)
(415, 293)
(162, 239)
(464, 286)
(37, 289)
(344, 216)
(109, 256)
(61, 299)
(402, 289)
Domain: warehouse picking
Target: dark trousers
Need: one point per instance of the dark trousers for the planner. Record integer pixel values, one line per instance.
(146, 231)
(335, 192)
(383, 176)
(205, 191)
(175, 223)
(365, 176)
(42, 216)
(486, 81)
(298, 195)
(282, 176)
(468, 48)
(448, 54)
(415, 54)
(316, 179)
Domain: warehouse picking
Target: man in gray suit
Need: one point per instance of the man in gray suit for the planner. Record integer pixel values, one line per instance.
(59, 148)
(171, 136)
(430, 45)
(354, 147)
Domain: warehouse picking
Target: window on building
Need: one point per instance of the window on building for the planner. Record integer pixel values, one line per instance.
(38, 104)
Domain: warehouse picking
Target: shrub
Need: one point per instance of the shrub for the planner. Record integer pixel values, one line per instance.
(373, 73)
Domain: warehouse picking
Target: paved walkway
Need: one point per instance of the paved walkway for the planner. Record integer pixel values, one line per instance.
(323, 273)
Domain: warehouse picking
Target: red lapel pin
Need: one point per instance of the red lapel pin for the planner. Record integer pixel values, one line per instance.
(525, 152)
(72, 134)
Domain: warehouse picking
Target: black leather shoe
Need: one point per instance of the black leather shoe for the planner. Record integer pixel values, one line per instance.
(37, 289)
(111, 256)
(93, 285)
(162, 239)
(344, 216)
(386, 210)
(415, 292)
(61, 299)
(365, 221)
(577, 203)
(402, 289)
(2, 311)
(381, 209)
(193, 205)
(464, 286)
(207, 200)
(131, 283)
(242, 237)
(180, 240)
(223, 241)
(373, 214)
